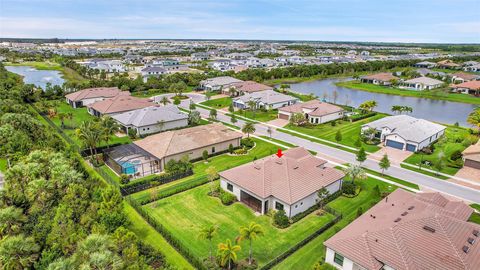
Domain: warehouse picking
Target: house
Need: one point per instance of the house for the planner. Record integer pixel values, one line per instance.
(118, 104)
(471, 156)
(422, 83)
(154, 71)
(108, 66)
(175, 144)
(379, 78)
(245, 87)
(91, 95)
(315, 111)
(405, 132)
(267, 99)
(463, 77)
(408, 231)
(425, 64)
(471, 87)
(288, 183)
(472, 68)
(218, 83)
(152, 119)
(199, 56)
(448, 64)
(426, 72)
(222, 64)
(470, 63)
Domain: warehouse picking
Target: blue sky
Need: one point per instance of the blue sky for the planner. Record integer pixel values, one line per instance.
(453, 21)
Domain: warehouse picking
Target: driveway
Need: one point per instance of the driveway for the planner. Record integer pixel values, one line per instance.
(278, 122)
(468, 173)
(395, 156)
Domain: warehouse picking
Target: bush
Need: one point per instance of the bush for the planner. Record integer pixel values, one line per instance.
(241, 151)
(124, 179)
(349, 188)
(230, 148)
(247, 143)
(359, 211)
(456, 155)
(280, 219)
(357, 117)
(205, 155)
(333, 123)
(132, 133)
(227, 198)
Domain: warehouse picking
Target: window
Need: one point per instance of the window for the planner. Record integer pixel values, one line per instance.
(296, 205)
(278, 206)
(230, 187)
(301, 203)
(338, 259)
(213, 150)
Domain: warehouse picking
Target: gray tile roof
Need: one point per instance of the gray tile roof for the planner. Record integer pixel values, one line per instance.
(150, 115)
(424, 81)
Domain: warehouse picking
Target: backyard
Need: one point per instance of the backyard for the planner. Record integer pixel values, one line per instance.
(350, 131)
(455, 139)
(218, 103)
(186, 213)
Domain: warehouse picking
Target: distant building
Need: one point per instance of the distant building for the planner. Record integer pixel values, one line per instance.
(218, 83)
(425, 64)
(199, 56)
(154, 71)
(471, 156)
(267, 99)
(315, 111)
(470, 87)
(245, 87)
(464, 77)
(448, 64)
(379, 79)
(108, 66)
(422, 83)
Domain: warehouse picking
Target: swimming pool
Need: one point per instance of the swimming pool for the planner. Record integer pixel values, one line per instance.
(130, 167)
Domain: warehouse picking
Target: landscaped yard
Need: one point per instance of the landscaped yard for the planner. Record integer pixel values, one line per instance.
(452, 142)
(350, 131)
(186, 213)
(434, 94)
(218, 103)
(314, 251)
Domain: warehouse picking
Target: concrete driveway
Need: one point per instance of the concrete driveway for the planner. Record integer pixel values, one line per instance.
(395, 155)
(278, 122)
(469, 173)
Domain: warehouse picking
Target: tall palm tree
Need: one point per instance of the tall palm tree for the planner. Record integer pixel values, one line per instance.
(250, 233)
(208, 233)
(164, 100)
(109, 127)
(253, 106)
(90, 135)
(474, 118)
(228, 253)
(248, 128)
(355, 171)
(161, 124)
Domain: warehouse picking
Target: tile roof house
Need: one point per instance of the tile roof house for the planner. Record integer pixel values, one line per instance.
(425, 64)
(426, 71)
(153, 71)
(471, 156)
(405, 132)
(315, 111)
(91, 95)
(217, 83)
(267, 99)
(152, 119)
(117, 105)
(448, 64)
(422, 83)
(408, 231)
(288, 183)
(384, 78)
(175, 144)
(245, 87)
(464, 77)
(471, 87)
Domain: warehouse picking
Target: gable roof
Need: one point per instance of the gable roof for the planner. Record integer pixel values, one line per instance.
(120, 104)
(315, 107)
(424, 81)
(410, 128)
(411, 231)
(266, 97)
(150, 115)
(473, 85)
(98, 92)
(180, 141)
(250, 86)
(290, 178)
(384, 77)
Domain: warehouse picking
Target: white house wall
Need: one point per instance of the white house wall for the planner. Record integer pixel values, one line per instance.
(144, 130)
(312, 199)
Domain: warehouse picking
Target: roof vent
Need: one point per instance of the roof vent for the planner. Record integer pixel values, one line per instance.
(397, 220)
(428, 228)
(465, 249)
(470, 240)
(279, 161)
(475, 232)
(393, 204)
(411, 207)
(404, 214)
(296, 167)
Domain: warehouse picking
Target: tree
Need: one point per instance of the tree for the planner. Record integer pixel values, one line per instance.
(439, 165)
(322, 194)
(11, 220)
(192, 106)
(233, 119)
(338, 136)
(298, 119)
(164, 100)
(368, 106)
(194, 118)
(269, 131)
(250, 233)
(384, 163)
(335, 96)
(213, 114)
(253, 106)
(176, 100)
(355, 172)
(212, 175)
(208, 233)
(248, 128)
(90, 135)
(474, 119)
(205, 155)
(63, 116)
(231, 91)
(228, 253)
(361, 155)
(18, 252)
(231, 109)
(109, 127)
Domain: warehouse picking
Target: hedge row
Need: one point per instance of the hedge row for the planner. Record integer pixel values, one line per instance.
(153, 181)
(358, 117)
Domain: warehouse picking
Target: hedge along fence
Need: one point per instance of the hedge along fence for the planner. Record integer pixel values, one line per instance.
(358, 117)
(154, 181)
(169, 237)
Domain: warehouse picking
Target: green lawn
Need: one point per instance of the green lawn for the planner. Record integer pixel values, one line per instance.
(80, 115)
(221, 163)
(258, 115)
(186, 213)
(218, 103)
(314, 251)
(475, 206)
(393, 179)
(350, 131)
(434, 94)
(451, 142)
(475, 218)
(147, 234)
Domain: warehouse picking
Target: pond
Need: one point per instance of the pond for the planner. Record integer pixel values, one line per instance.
(39, 78)
(441, 111)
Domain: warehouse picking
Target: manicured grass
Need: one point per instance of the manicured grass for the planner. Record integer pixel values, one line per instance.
(259, 115)
(475, 218)
(416, 169)
(110, 173)
(300, 96)
(186, 213)
(221, 163)
(350, 131)
(314, 251)
(446, 146)
(218, 103)
(433, 94)
(393, 179)
(475, 206)
(278, 141)
(147, 234)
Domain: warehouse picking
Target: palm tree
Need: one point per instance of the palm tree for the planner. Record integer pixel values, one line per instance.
(164, 100)
(90, 135)
(474, 118)
(355, 172)
(109, 127)
(228, 253)
(248, 128)
(232, 91)
(250, 233)
(253, 106)
(208, 233)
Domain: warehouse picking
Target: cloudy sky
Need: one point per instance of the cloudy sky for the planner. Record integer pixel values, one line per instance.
(452, 21)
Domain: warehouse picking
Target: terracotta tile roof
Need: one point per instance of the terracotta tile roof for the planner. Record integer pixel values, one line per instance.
(120, 103)
(472, 152)
(105, 92)
(465, 76)
(290, 178)
(473, 85)
(384, 77)
(184, 140)
(411, 231)
(313, 107)
(250, 86)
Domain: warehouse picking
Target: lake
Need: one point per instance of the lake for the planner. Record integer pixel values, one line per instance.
(441, 111)
(39, 78)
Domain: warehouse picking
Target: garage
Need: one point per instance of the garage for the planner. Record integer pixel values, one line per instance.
(411, 147)
(283, 116)
(394, 144)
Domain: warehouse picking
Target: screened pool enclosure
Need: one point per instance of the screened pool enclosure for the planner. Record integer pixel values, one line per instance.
(131, 160)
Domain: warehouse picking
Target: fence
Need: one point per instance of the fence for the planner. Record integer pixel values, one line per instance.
(154, 181)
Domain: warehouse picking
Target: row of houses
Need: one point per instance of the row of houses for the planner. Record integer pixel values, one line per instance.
(471, 66)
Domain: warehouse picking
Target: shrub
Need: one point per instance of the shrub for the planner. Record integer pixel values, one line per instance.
(230, 148)
(247, 142)
(358, 142)
(359, 211)
(323, 266)
(227, 198)
(241, 151)
(205, 155)
(132, 133)
(333, 123)
(124, 179)
(280, 219)
(349, 188)
(456, 155)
